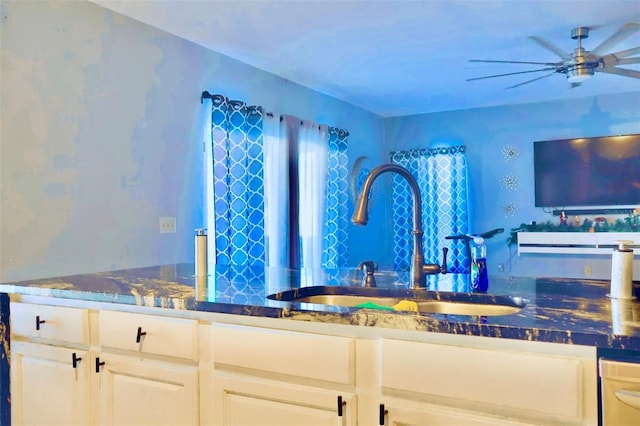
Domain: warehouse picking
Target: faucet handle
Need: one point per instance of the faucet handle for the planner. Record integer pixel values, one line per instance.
(434, 268)
(368, 279)
(366, 266)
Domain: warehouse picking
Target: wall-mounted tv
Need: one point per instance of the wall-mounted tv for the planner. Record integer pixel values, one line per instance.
(599, 171)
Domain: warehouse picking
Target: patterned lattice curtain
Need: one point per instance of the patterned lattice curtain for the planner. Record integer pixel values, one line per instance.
(238, 189)
(442, 176)
(279, 188)
(335, 242)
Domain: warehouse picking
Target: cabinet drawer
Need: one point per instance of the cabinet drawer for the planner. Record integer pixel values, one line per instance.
(50, 322)
(551, 385)
(174, 337)
(312, 356)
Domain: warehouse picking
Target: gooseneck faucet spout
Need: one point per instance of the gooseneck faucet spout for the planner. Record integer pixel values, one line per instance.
(419, 270)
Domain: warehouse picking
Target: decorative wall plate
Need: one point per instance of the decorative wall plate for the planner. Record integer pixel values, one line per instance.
(361, 168)
(510, 182)
(509, 208)
(510, 152)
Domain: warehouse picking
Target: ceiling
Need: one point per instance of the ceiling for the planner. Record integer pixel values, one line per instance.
(395, 57)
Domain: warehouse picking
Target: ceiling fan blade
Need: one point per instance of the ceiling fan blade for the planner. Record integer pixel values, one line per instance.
(531, 81)
(621, 71)
(512, 73)
(544, 43)
(626, 61)
(514, 62)
(612, 59)
(624, 32)
(625, 53)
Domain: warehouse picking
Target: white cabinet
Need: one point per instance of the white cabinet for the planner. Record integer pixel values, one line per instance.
(484, 385)
(409, 413)
(268, 376)
(50, 381)
(146, 371)
(275, 377)
(136, 391)
(49, 385)
(135, 369)
(144, 334)
(56, 324)
(575, 242)
(244, 400)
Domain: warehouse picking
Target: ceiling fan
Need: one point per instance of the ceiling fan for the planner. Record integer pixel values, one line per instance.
(581, 64)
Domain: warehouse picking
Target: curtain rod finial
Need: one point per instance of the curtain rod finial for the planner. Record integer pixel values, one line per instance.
(205, 94)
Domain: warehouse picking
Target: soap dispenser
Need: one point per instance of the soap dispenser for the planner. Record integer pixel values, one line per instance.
(479, 278)
(622, 271)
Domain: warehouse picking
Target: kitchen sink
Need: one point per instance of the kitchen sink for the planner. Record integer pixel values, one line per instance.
(428, 302)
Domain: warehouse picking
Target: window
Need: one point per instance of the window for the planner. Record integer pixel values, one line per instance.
(277, 188)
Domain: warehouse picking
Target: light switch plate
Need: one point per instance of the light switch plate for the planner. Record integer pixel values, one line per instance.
(167, 225)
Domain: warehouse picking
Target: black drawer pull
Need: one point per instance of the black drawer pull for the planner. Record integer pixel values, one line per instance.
(38, 322)
(341, 404)
(140, 334)
(383, 413)
(75, 360)
(98, 364)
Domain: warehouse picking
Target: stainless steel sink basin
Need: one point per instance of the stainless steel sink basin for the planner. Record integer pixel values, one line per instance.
(457, 308)
(427, 302)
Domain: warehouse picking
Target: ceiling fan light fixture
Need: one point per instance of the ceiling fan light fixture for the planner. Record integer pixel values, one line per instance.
(579, 74)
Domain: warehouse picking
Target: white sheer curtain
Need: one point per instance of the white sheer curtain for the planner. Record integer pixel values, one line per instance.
(312, 168)
(295, 188)
(276, 188)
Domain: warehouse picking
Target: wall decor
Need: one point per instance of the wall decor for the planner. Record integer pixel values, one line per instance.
(510, 153)
(509, 208)
(359, 171)
(510, 182)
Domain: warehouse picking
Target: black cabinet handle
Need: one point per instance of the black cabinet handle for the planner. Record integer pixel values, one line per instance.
(341, 404)
(140, 334)
(75, 360)
(383, 413)
(443, 268)
(98, 364)
(38, 322)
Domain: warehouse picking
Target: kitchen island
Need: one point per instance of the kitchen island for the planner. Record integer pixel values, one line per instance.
(562, 318)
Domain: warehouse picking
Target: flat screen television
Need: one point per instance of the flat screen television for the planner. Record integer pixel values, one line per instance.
(599, 171)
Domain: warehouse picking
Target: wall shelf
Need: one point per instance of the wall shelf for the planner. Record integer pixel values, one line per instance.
(575, 242)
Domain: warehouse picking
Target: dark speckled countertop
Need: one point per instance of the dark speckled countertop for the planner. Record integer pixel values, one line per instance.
(564, 311)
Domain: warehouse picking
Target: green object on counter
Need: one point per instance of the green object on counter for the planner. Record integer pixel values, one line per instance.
(371, 305)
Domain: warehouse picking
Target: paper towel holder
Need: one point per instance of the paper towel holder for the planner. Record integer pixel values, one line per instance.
(622, 271)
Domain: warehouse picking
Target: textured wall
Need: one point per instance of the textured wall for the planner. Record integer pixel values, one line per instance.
(100, 136)
(487, 132)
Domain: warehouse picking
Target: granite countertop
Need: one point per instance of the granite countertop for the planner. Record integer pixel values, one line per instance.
(567, 311)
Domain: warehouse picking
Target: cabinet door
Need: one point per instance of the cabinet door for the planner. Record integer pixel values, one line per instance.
(432, 415)
(134, 391)
(46, 387)
(248, 401)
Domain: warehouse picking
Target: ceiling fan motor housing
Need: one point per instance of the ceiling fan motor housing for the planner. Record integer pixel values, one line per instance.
(580, 33)
(584, 64)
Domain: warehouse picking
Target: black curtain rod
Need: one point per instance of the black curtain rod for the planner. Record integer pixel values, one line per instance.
(205, 95)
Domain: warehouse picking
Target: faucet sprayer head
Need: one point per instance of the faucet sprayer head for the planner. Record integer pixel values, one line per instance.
(360, 212)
